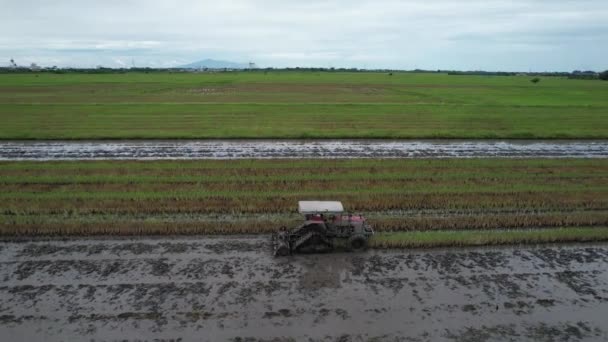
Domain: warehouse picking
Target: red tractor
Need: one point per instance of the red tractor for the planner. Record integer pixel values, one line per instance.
(325, 226)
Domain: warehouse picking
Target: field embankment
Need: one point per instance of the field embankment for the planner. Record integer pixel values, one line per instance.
(299, 105)
(258, 196)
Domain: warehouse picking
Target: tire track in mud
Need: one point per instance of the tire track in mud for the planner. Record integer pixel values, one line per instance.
(201, 288)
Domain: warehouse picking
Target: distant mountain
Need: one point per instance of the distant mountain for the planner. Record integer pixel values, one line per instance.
(215, 64)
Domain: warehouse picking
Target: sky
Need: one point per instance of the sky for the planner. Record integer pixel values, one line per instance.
(515, 35)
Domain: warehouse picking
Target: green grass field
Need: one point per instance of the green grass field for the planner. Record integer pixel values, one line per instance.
(299, 105)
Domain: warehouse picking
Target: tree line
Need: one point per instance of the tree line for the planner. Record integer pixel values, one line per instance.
(576, 74)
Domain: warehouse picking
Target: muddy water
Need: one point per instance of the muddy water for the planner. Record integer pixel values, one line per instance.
(237, 149)
(230, 288)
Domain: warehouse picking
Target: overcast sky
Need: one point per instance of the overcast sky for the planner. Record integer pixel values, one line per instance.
(515, 35)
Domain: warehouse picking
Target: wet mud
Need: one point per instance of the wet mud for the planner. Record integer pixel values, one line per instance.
(240, 149)
(231, 288)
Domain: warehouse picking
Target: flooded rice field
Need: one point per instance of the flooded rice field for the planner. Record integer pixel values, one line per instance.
(238, 149)
(230, 288)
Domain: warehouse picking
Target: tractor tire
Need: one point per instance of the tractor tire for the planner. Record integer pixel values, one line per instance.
(282, 251)
(357, 243)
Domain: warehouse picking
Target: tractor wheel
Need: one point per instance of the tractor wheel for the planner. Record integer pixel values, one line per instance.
(357, 243)
(282, 251)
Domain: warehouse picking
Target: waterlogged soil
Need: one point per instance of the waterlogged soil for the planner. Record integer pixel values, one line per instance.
(239, 149)
(231, 288)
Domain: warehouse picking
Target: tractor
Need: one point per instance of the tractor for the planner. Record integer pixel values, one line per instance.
(325, 226)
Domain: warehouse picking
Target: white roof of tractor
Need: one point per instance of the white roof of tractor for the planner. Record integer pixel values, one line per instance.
(311, 207)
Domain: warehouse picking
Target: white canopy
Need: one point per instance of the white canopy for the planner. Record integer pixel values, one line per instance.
(311, 207)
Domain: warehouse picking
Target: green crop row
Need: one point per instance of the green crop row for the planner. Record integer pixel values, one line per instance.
(257, 196)
(430, 239)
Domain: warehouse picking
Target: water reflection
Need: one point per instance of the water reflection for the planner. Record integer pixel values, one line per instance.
(239, 149)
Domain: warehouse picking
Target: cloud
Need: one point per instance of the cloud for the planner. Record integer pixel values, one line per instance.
(432, 34)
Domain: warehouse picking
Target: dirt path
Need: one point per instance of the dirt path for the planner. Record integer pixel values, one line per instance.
(211, 289)
(239, 149)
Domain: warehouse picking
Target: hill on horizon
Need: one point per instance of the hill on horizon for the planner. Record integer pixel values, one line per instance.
(215, 64)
